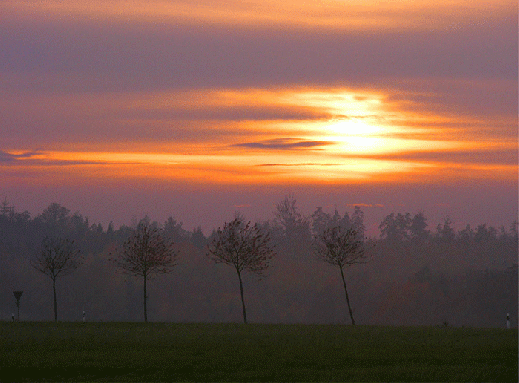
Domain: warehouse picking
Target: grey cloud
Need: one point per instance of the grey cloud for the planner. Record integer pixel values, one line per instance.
(126, 57)
(283, 144)
(227, 113)
(491, 98)
(8, 157)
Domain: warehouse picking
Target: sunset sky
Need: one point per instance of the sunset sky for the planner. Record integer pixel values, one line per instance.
(117, 109)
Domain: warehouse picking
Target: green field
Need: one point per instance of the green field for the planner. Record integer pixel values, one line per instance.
(41, 351)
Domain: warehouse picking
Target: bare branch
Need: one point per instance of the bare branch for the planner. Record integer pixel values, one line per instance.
(146, 253)
(340, 247)
(243, 246)
(57, 257)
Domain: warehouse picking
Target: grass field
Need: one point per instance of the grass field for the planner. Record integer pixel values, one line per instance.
(41, 351)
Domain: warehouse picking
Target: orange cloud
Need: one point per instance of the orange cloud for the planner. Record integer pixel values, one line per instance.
(347, 136)
(327, 14)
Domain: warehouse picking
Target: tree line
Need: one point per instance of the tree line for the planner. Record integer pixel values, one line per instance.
(459, 277)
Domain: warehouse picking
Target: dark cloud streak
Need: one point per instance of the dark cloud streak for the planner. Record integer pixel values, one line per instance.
(283, 144)
(6, 157)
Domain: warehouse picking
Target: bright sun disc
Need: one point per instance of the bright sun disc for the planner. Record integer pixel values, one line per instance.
(353, 128)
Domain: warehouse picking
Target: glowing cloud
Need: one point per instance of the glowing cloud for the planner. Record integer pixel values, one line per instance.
(355, 136)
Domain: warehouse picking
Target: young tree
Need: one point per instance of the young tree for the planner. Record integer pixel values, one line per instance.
(243, 246)
(340, 248)
(58, 257)
(144, 254)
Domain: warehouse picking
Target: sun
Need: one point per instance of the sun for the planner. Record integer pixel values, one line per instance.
(353, 127)
(353, 137)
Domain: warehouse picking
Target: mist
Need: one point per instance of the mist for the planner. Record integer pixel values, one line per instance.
(419, 273)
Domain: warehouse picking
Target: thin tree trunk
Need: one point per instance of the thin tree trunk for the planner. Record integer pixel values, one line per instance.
(145, 312)
(347, 297)
(242, 300)
(55, 301)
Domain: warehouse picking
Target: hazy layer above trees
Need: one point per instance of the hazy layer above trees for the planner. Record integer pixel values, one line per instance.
(417, 274)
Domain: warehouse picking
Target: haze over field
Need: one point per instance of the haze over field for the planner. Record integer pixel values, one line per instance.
(119, 108)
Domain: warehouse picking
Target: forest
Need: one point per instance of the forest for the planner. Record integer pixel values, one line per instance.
(415, 274)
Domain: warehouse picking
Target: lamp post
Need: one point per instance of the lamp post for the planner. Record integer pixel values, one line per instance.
(18, 295)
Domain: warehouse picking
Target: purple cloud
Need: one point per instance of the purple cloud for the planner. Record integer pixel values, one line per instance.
(283, 144)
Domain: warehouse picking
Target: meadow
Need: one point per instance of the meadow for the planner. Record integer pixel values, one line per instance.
(43, 351)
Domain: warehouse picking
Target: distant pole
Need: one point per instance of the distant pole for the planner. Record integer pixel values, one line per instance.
(12, 317)
(84, 316)
(507, 320)
(18, 295)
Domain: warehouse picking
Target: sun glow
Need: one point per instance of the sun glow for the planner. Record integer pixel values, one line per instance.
(323, 14)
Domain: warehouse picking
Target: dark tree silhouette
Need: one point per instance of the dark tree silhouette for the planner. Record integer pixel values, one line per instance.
(395, 228)
(144, 254)
(296, 238)
(445, 233)
(58, 257)
(357, 222)
(418, 228)
(293, 223)
(55, 218)
(322, 221)
(340, 248)
(243, 246)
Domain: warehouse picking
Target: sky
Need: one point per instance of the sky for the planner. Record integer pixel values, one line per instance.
(118, 109)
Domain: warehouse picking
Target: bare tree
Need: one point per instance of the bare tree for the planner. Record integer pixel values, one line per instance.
(243, 246)
(340, 248)
(144, 254)
(58, 257)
